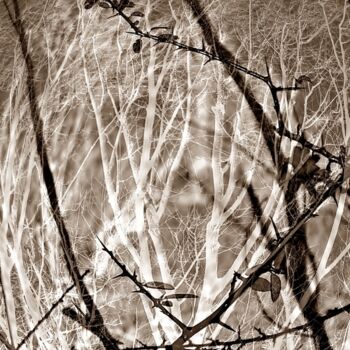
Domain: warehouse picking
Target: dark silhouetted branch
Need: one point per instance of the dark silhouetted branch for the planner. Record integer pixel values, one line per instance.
(48, 313)
(157, 302)
(70, 259)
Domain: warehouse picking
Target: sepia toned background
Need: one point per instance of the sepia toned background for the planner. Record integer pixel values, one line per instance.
(158, 154)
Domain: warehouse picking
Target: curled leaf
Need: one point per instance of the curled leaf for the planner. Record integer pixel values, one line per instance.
(167, 37)
(261, 285)
(275, 287)
(180, 296)
(137, 14)
(104, 4)
(167, 303)
(89, 3)
(159, 27)
(159, 285)
(136, 46)
(303, 78)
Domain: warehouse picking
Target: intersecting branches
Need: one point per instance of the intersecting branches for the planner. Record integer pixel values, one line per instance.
(170, 38)
(94, 316)
(48, 313)
(157, 302)
(241, 342)
(217, 53)
(265, 266)
(272, 135)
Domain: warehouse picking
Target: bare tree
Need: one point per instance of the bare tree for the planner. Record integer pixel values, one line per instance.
(175, 174)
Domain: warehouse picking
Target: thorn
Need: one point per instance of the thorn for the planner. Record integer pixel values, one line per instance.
(335, 199)
(269, 81)
(209, 59)
(134, 33)
(260, 331)
(275, 228)
(143, 344)
(222, 324)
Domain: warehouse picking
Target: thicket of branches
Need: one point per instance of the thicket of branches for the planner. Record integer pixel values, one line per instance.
(174, 174)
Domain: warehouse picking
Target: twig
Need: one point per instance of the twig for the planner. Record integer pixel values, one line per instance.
(261, 268)
(156, 302)
(216, 344)
(48, 313)
(96, 318)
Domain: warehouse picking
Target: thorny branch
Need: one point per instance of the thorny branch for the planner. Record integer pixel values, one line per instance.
(133, 277)
(265, 266)
(48, 313)
(219, 53)
(216, 344)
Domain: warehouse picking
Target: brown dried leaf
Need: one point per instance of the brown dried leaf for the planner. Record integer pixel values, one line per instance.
(88, 4)
(180, 296)
(275, 287)
(167, 303)
(167, 37)
(136, 46)
(261, 285)
(137, 14)
(159, 285)
(104, 4)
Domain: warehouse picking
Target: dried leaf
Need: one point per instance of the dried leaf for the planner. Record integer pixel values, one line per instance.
(167, 37)
(167, 303)
(161, 27)
(303, 78)
(88, 4)
(136, 46)
(159, 285)
(104, 4)
(275, 287)
(137, 14)
(180, 296)
(261, 285)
